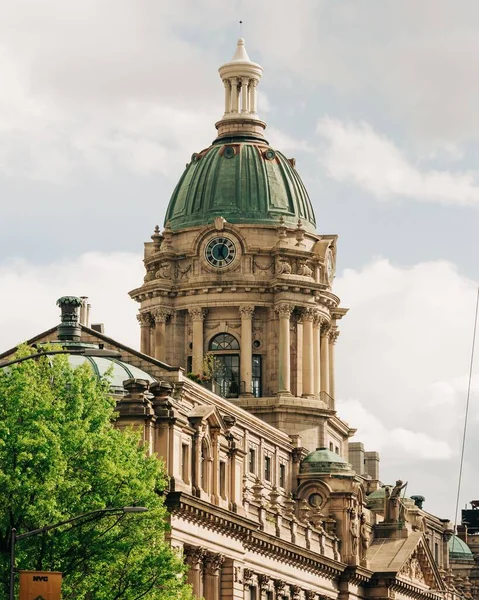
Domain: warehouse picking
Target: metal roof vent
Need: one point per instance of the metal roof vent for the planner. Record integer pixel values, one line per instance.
(69, 329)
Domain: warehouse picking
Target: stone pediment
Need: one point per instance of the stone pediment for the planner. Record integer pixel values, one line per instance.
(407, 559)
(206, 414)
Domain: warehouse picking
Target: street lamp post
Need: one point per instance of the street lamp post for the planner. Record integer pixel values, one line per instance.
(16, 538)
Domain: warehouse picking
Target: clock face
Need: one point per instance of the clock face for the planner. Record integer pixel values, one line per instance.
(220, 252)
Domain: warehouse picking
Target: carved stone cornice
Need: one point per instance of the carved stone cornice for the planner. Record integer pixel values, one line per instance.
(197, 313)
(246, 311)
(144, 319)
(284, 309)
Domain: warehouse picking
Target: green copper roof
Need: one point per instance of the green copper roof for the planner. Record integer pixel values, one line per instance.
(459, 549)
(117, 370)
(243, 181)
(323, 460)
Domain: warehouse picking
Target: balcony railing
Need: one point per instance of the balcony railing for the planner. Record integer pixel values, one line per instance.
(327, 399)
(227, 388)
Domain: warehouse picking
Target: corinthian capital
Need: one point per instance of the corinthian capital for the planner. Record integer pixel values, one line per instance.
(308, 313)
(333, 335)
(194, 555)
(144, 319)
(246, 311)
(161, 315)
(213, 562)
(284, 309)
(197, 313)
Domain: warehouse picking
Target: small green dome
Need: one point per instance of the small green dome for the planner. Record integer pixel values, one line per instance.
(120, 371)
(243, 180)
(459, 549)
(323, 460)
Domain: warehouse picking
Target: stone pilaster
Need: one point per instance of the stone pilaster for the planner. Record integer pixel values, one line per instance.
(246, 375)
(325, 358)
(284, 311)
(197, 315)
(194, 556)
(145, 321)
(161, 316)
(213, 563)
(317, 352)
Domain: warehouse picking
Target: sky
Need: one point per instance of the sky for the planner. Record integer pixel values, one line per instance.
(103, 103)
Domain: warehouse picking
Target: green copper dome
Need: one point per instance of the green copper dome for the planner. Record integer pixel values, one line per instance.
(243, 180)
(459, 549)
(323, 460)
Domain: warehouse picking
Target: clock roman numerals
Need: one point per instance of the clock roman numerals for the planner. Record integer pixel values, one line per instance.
(220, 252)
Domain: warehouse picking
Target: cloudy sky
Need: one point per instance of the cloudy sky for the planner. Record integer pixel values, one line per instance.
(102, 103)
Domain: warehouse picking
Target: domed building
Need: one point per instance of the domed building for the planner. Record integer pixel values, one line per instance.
(234, 389)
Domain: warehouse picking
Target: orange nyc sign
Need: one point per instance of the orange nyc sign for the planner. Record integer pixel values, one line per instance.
(40, 585)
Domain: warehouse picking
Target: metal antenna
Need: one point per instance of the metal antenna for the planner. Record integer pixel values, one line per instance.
(241, 28)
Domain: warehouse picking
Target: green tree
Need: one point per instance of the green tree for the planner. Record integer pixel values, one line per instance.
(60, 456)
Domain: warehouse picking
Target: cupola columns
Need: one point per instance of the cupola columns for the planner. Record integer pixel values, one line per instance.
(240, 77)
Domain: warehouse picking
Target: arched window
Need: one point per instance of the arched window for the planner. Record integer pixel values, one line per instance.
(224, 341)
(225, 349)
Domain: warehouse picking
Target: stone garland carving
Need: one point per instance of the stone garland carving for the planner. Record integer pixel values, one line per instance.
(144, 319)
(183, 273)
(282, 266)
(258, 265)
(246, 311)
(197, 313)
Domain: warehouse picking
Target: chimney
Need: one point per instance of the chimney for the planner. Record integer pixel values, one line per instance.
(69, 329)
(371, 464)
(356, 456)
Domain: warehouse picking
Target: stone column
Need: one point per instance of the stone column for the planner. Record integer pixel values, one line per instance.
(161, 315)
(317, 352)
(252, 96)
(215, 442)
(299, 355)
(308, 352)
(284, 311)
(244, 94)
(197, 315)
(333, 336)
(213, 564)
(227, 85)
(234, 94)
(246, 371)
(145, 324)
(194, 556)
(325, 358)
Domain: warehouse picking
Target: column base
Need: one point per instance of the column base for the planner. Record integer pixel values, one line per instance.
(247, 395)
(309, 396)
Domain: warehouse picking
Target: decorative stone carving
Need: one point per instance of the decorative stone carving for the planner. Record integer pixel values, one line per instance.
(258, 490)
(247, 577)
(316, 518)
(393, 501)
(197, 313)
(157, 238)
(304, 511)
(284, 310)
(263, 581)
(194, 555)
(213, 562)
(295, 591)
(299, 234)
(297, 454)
(365, 536)
(164, 270)
(261, 267)
(354, 533)
(282, 266)
(288, 506)
(310, 595)
(412, 569)
(182, 272)
(333, 335)
(144, 319)
(304, 269)
(279, 585)
(161, 315)
(246, 311)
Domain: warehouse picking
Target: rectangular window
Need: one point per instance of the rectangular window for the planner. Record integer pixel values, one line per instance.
(189, 364)
(436, 552)
(223, 480)
(252, 460)
(185, 466)
(267, 468)
(252, 593)
(331, 446)
(336, 450)
(282, 475)
(256, 376)
(269, 595)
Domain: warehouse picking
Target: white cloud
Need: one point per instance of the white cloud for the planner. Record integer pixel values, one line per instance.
(402, 364)
(354, 152)
(29, 307)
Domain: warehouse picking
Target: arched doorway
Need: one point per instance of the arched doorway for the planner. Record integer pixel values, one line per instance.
(225, 349)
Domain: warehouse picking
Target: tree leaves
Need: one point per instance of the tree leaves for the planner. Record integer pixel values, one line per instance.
(60, 456)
